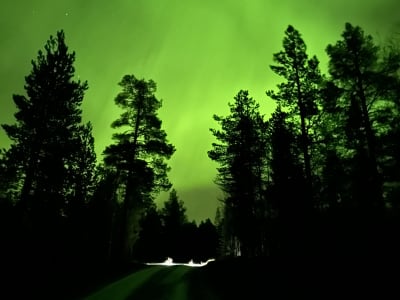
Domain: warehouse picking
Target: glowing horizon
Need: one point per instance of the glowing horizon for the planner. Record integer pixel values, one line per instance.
(199, 53)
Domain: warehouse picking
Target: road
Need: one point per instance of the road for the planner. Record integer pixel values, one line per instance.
(247, 279)
(159, 282)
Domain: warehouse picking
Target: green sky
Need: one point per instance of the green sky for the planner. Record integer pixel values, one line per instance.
(199, 52)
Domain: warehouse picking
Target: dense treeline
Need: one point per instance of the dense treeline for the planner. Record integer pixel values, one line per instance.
(168, 232)
(321, 175)
(66, 216)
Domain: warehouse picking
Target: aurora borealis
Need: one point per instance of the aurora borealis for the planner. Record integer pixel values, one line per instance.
(200, 54)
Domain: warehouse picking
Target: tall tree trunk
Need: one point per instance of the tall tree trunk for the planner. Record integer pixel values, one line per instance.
(305, 222)
(130, 193)
(370, 139)
(304, 142)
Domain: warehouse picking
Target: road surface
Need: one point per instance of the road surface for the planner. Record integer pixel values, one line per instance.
(159, 282)
(247, 279)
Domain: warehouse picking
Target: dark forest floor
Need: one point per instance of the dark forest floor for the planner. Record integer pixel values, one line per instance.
(235, 278)
(275, 278)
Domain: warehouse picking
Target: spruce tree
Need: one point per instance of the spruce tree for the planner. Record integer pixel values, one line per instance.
(174, 218)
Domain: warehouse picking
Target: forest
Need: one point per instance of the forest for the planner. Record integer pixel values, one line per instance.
(319, 177)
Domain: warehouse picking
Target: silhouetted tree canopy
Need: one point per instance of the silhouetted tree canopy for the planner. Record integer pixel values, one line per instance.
(47, 138)
(48, 169)
(241, 151)
(139, 153)
(319, 177)
(299, 94)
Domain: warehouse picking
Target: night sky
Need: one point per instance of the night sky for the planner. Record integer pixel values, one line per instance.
(200, 54)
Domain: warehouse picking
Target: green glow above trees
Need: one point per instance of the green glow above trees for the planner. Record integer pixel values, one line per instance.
(199, 54)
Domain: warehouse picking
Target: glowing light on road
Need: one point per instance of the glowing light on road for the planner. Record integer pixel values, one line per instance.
(169, 262)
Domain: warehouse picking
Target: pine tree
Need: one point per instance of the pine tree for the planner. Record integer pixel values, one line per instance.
(299, 94)
(48, 121)
(139, 153)
(241, 155)
(286, 189)
(386, 119)
(353, 67)
(365, 115)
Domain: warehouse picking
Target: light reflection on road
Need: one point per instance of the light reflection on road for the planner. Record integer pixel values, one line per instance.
(169, 262)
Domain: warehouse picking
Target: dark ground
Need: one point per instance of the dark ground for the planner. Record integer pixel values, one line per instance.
(268, 278)
(278, 278)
